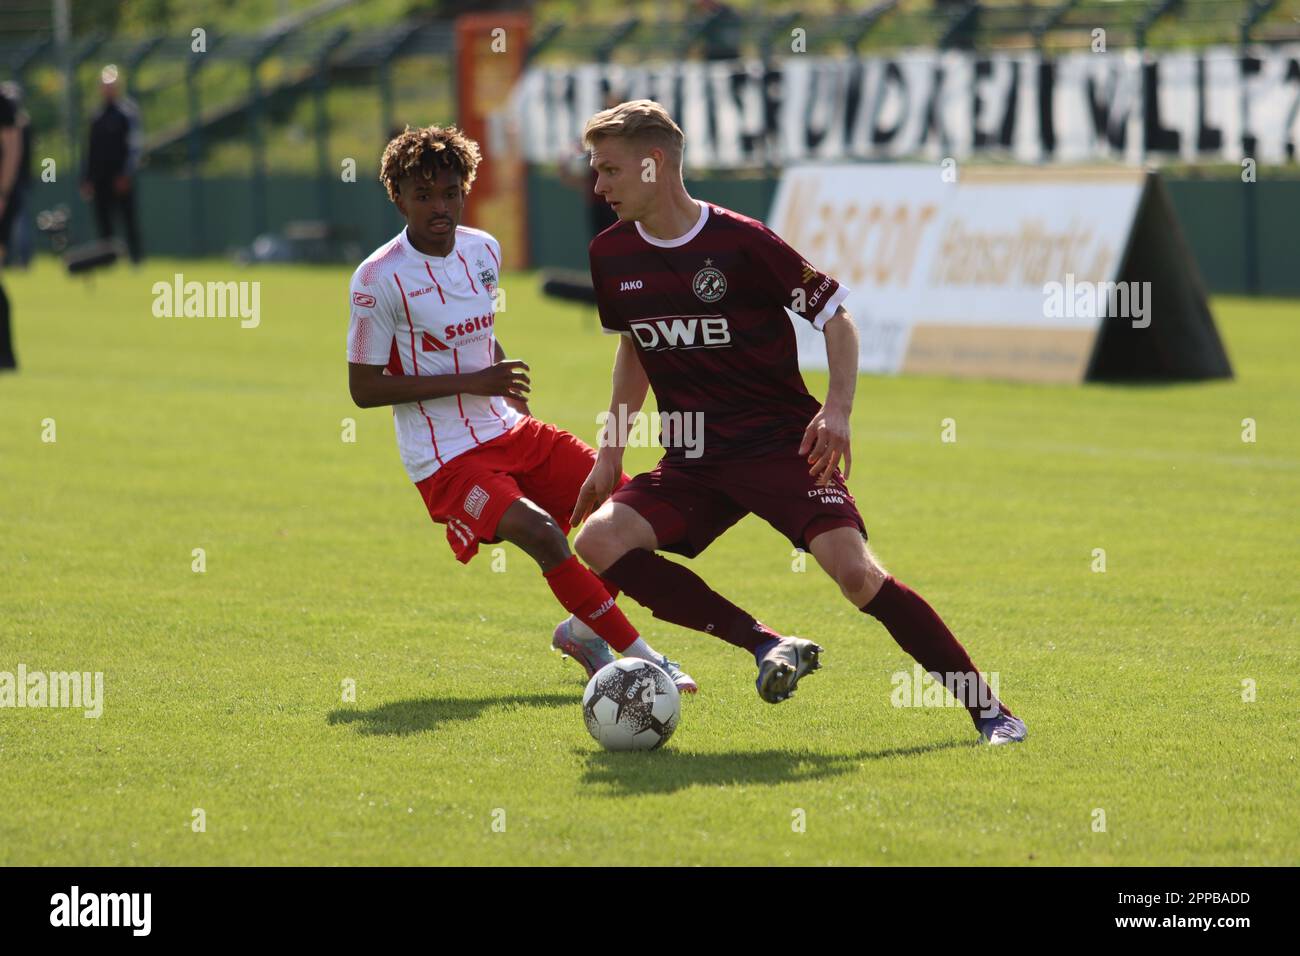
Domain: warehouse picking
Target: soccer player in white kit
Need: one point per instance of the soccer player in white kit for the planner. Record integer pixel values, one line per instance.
(422, 339)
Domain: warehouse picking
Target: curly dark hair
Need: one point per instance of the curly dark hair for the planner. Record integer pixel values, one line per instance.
(422, 151)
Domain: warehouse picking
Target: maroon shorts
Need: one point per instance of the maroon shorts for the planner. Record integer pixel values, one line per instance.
(690, 505)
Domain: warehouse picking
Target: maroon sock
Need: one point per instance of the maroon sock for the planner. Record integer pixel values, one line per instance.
(921, 632)
(678, 595)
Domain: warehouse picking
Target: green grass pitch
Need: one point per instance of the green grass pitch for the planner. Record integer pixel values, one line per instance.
(223, 689)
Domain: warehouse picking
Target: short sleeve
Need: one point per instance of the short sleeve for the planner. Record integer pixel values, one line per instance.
(800, 287)
(610, 322)
(372, 324)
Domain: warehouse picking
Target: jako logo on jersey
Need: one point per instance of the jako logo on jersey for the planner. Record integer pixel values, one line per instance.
(691, 331)
(709, 284)
(363, 300)
(476, 324)
(629, 286)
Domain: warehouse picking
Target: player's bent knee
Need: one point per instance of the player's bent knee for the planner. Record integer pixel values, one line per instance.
(612, 532)
(536, 532)
(550, 544)
(596, 545)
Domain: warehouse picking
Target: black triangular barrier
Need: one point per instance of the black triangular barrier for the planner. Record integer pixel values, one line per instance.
(1177, 339)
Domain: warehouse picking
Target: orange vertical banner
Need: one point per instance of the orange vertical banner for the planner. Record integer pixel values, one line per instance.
(490, 50)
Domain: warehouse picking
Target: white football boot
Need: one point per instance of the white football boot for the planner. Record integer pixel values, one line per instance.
(1003, 729)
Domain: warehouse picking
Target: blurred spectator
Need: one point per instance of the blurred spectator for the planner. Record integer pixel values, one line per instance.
(12, 123)
(719, 27)
(576, 172)
(20, 238)
(112, 160)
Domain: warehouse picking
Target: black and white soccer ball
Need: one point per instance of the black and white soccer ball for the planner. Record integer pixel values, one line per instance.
(631, 704)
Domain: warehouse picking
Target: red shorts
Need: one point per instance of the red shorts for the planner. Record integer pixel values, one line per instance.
(690, 505)
(533, 460)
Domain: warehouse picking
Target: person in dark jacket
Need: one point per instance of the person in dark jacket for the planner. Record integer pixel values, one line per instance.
(19, 249)
(13, 123)
(111, 160)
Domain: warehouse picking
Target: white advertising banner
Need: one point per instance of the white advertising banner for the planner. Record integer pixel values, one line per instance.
(966, 272)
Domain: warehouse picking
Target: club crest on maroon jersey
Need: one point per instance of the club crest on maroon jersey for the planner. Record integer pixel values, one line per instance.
(709, 284)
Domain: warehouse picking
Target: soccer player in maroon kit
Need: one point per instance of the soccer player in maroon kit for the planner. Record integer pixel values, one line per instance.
(698, 295)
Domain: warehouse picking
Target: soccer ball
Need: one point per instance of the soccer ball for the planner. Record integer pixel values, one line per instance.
(631, 704)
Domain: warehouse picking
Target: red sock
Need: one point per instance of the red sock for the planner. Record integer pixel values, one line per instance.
(678, 595)
(921, 632)
(582, 594)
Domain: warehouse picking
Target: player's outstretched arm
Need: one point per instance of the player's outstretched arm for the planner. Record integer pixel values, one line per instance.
(371, 388)
(628, 389)
(827, 436)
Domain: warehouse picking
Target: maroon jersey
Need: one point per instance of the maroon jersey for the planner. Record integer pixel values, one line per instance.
(707, 313)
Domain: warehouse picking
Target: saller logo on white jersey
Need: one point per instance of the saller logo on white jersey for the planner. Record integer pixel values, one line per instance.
(683, 332)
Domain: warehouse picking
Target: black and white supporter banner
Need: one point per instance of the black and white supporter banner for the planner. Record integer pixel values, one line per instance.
(1214, 104)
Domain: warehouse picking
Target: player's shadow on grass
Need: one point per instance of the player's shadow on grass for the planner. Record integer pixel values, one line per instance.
(668, 770)
(427, 714)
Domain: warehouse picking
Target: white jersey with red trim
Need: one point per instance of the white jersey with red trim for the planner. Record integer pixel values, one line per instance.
(425, 315)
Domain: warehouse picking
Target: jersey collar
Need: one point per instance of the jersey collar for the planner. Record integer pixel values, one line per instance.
(437, 260)
(680, 240)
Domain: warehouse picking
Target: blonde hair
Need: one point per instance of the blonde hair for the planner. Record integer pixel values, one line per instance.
(420, 152)
(642, 121)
